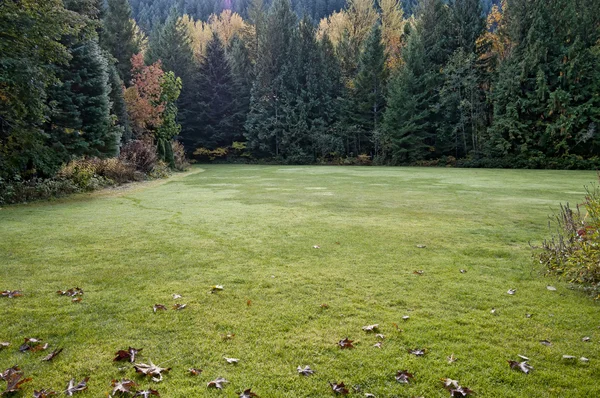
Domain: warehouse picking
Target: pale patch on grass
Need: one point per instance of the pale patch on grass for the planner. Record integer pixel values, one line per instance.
(132, 250)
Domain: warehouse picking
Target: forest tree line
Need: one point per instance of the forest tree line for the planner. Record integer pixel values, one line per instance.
(517, 86)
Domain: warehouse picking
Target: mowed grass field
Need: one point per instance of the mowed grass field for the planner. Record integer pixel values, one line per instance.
(252, 229)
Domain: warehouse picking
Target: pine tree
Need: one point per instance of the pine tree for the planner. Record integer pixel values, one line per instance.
(367, 96)
(242, 71)
(216, 104)
(118, 107)
(544, 99)
(118, 36)
(467, 19)
(266, 126)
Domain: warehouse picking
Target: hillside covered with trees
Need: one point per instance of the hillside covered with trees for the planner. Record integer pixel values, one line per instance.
(514, 84)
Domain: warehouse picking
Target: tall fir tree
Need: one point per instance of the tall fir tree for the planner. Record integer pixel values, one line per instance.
(215, 104)
(118, 36)
(242, 71)
(366, 102)
(545, 97)
(171, 44)
(275, 79)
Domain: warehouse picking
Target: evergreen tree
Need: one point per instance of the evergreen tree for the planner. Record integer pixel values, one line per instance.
(545, 98)
(118, 107)
(242, 71)
(367, 96)
(118, 36)
(216, 106)
(266, 126)
(171, 45)
(407, 116)
(467, 19)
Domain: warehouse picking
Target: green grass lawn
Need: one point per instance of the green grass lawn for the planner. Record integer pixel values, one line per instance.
(252, 229)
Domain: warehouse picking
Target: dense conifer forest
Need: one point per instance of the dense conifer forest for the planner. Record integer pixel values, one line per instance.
(473, 83)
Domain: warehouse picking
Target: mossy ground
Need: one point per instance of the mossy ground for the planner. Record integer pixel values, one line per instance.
(252, 229)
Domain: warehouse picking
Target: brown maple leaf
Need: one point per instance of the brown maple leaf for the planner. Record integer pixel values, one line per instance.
(247, 394)
(402, 376)
(195, 371)
(179, 306)
(11, 293)
(43, 393)
(72, 388)
(449, 383)
(370, 328)
(15, 369)
(76, 300)
(419, 272)
(417, 352)
(339, 388)
(70, 292)
(52, 355)
(146, 393)
(128, 354)
(460, 392)
(522, 366)
(158, 307)
(14, 379)
(122, 386)
(345, 343)
(151, 370)
(306, 371)
(217, 383)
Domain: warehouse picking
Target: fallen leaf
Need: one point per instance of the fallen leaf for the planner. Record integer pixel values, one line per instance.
(463, 271)
(493, 311)
(370, 328)
(417, 352)
(316, 247)
(306, 371)
(248, 303)
(8, 372)
(128, 354)
(14, 380)
(584, 359)
(339, 388)
(523, 357)
(380, 336)
(419, 272)
(71, 292)
(402, 376)
(586, 339)
(546, 343)
(337, 243)
(11, 293)
(72, 388)
(176, 296)
(405, 318)
(216, 288)
(551, 288)
(4, 344)
(43, 393)
(39, 347)
(52, 355)
(32, 344)
(247, 394)
(217, 383)
(123, 386)
(345, 343)
(421, 246)
(146, 393)
(528, 315)
(151, 369)
(451, 358)
(369, 395)
(179, 306)
(568, 357)
(228, 336)
(460, 392)
(194, 371)
(76, 300)
(511, 291)
(231, 360)
(377, 345)
(159, 307)
(449, 383)
(325, 306)
(522, 366)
